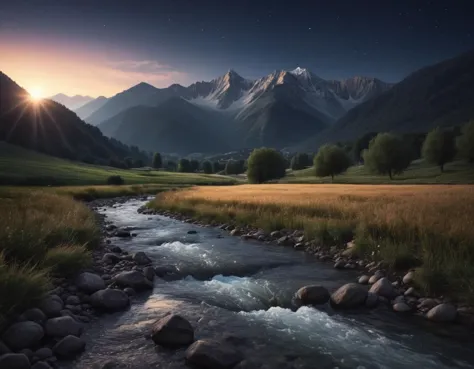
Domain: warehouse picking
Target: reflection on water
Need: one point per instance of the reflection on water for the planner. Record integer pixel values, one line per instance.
(228, 289)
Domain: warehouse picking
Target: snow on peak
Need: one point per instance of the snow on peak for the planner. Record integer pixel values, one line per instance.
(299, 71)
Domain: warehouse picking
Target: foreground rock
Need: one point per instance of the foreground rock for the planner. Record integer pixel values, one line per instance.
(172, 330)
(14, 361)
(383, 288)
(133, 279)
(313, 295)
(110, 300)
(89, 282)
(35, 315)
(349, 296)
(63, 326)
(69, 347)
(209, 354)
(141, 258)
(41, 365)
(443, 313)
(23, 335)
(52, 306)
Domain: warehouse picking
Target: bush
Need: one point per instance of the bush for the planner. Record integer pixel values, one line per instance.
(439, 148)
(265, 164)
(67, 260)
(465, 142)
(184, 166)
(387, 154)
(115, 180)
(157, 162)
(207, 167)
(330, 161)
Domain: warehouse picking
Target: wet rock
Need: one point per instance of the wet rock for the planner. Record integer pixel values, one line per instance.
(398, 299)
(110, 258)
(41, 365)
(116, 249)
(110, 300)
(72, 300)
(149, 273)
(23, 335)
(299, 246)
(210, 354)
(52, 306)
(276, 234)
(141, 258)
(43, 353)
(192, 232)
(443, 313)
(90, 282)
(111, 227)
(377, 275)
(411, 292)
(69, 347)
(129, 291)
(427, 303)
(111, 364)
(284, 241)
(14, 361)
(235, 232)
(364, 279)
(409, 277)
(35, 315)
(133, 279)
(384, 288)
(63, 326)
(172, 330)
(313, 295)
(401, 307)
(4, 349)
(122, 233)
(350, 295)
(340, 264)
(371, 301)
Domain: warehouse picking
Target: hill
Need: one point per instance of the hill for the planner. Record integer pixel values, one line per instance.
(438, 95)
(87, 109)
(51, 128)
(71, 102)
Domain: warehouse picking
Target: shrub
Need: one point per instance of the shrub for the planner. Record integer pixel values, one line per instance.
(465, 142)
(115, 180)
(265, 164)
(439, 148)
(67, 260)
(387, 154)
(330, 161)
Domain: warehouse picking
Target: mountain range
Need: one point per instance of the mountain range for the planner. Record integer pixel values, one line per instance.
(277, 110)
(71, 102)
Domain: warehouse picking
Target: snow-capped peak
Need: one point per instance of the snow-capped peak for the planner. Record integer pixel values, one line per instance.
(299, 71)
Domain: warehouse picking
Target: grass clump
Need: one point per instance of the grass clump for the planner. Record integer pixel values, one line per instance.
(67, 260)
(115, 180)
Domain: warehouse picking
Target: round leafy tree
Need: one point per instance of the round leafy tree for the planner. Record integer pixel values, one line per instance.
(331, 160)
(265, 164)
(439, 148)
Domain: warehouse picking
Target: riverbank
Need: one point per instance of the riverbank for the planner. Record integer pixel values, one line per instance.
(424, 229)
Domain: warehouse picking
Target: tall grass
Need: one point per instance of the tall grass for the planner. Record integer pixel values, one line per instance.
(406, 226)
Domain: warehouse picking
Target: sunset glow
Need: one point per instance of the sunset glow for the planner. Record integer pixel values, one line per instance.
(36, 93)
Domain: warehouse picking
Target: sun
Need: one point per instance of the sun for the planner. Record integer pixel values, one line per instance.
(36, 94)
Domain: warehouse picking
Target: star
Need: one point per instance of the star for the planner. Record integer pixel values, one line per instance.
(202, 29)
(309, 28)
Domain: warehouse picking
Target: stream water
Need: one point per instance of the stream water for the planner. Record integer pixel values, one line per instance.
(241, 292)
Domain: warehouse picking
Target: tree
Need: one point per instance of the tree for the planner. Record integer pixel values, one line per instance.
(387, 154)
(229, 167)
(138, 163)
(194, 164)
(128, 162)
(184, 166)
(361, 144)
(216, 167)
(330, 161)
(465, 142)
(265, 164)
(207, 167)
(300, 161)
(157, 162)
(439, 148)
(171, 166)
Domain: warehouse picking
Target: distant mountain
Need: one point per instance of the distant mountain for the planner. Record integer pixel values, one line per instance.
(71, 102)
(51, 128)
(87, 109)
(438, 95)
(278, 110)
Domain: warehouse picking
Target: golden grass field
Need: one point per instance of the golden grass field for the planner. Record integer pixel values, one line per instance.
(402, 224)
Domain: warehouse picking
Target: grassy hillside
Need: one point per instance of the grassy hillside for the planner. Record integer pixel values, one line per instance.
(19, 166)
(418, 173)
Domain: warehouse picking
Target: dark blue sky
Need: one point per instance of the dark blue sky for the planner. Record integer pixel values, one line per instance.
(203, 39)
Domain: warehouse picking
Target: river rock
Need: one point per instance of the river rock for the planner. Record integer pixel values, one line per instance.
(350, 295)
(41, 365)
(284, 241)
(192, 231)
(364, 279)
(313, 295)
(275, 234)
(110, 300)
(63, 326)
(377, 275)
(14, 361)
(384, 288)
(371, 301)
(35, 315)
(401, 307)
(172, 330)
(408, 278)
(129, 291)
(235, 232)
(149, 273)
(110, 258)
(4, 349)
(23, 335)
(443, 313)
(141, 258)
(134, 279)
(52, 306)
(90, 282)
(43, 353)
(72, 300)
(122, 233)
(340, 264)
(69, 347)
(427, 303)
(210, 354)
(116, 249)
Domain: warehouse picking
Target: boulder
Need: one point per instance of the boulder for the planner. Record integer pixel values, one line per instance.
(110, 300)
(23, 335)
(409, 277)
(35, 315)
(116, 249)
(141, 258)
(443, 313)
(52, 306)
(210, 354)
(149, 273)
(72, 300)
(313, 295)
(41, 365)
(371, 301)
(133, 279)
(4, 349)
(427, 303)
(339, 264)
(90, 282)
(172, 330)
(122, 233)
(129, 291)
(63, 326)
(43, 353)
(14, 361)
(275, 234)
(110, 258)
(350, 295)
(411, 292)
(235, 232)
(364, 279)
(377, 275)
(69, 347)
(401, 307)
(384, 288)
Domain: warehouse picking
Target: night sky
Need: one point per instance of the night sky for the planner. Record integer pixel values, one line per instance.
(102, 47)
